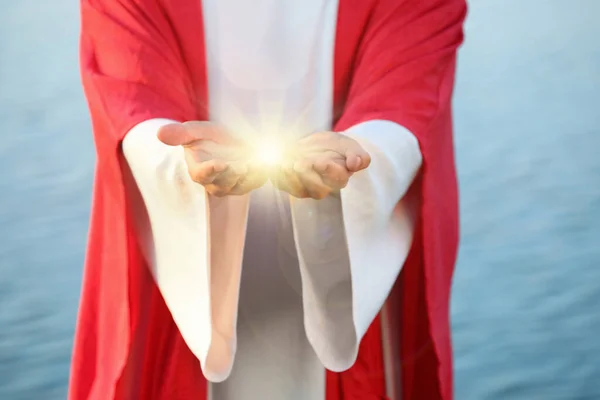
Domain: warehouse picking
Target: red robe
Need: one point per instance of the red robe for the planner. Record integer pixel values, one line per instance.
(394, 60)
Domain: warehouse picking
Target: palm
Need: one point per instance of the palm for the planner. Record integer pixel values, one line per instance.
(322, 163)
(214, 159)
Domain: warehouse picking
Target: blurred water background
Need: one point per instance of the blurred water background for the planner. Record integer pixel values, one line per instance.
(527, 289)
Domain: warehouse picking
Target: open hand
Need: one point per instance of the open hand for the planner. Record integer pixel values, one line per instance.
(322, 164)
(214, 159)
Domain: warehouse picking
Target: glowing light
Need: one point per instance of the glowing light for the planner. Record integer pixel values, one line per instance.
(269, 152)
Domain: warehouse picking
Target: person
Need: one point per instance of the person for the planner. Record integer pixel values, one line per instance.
(275, 208)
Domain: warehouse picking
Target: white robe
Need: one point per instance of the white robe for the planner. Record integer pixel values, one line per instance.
(307, 293)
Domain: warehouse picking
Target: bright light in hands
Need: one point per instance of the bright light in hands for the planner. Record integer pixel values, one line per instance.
(269, 152)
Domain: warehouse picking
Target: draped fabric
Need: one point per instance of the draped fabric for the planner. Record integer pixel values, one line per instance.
(144, 59)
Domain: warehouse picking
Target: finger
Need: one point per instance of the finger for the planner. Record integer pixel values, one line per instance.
(223, 184)
(238, 168)
(357, 161)
(175, 135)
(353, 162)
(357, 158)
(204, 130)
(322, 164)
(286, 179)
(248, 183)
(326, 160)
(246, 186)
(226, 180)
(292, 188)
(335, 176)
(232, 175)
(332, 173)
(311, 180)
(206, 172)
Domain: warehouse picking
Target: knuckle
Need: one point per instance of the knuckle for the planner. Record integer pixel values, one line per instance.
(198, 179)
(196, 174)
(217, 191)
(299, 193)
(320, 194)
(202, 180)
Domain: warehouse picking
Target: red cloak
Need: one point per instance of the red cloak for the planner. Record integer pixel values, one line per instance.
(142, 59)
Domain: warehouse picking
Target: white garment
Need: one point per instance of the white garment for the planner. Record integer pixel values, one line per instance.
(309, 289)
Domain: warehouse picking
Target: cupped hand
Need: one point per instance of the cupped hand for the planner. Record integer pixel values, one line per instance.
(321, 164)
(214, 158)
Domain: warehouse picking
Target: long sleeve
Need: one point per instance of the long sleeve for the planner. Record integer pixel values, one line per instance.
(342, 238)
(171, 218)
(193, 243)
(138, 75)
(353, 248)
(134, 68)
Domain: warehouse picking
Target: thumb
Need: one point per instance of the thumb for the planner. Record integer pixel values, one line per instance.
(357, 160)
(176, 135)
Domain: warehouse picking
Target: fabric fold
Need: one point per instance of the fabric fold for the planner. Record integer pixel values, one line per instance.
(352, 247)
(193, 243)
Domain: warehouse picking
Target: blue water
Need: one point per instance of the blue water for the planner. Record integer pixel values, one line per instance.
(527, 289)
